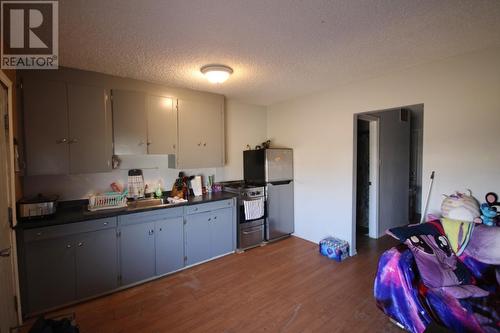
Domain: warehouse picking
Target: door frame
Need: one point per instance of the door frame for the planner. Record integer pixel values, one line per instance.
(12, 193)
(373, 227)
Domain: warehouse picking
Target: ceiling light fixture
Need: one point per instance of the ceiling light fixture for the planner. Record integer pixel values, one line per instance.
(216, 73)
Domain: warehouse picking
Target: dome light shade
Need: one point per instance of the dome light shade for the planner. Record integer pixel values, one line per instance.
(216, 73)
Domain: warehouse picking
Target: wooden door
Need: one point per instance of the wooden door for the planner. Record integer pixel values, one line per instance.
(162, 125)
(46, 127)
(90, 136)
(7, 309)
(129, 122)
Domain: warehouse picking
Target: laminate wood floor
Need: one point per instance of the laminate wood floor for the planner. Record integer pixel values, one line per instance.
(286, 286)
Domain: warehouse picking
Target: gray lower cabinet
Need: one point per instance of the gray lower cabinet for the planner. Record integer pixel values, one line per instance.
(137, 252)
(197, 233)
(66, 263)
(209, 234)
(50, 273)
(221, 232)
(169, 245)
(96, 263)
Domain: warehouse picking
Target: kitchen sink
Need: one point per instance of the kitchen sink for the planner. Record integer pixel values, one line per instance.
(148, 203)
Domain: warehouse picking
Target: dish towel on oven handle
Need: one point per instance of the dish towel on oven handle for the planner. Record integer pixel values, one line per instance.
(254, 209)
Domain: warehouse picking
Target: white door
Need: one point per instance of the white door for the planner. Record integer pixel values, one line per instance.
(7, 305)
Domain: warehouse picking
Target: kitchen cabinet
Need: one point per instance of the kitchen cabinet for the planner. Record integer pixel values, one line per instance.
(221, 232)
(90, 129)
(143, 123)
(169, 245)
(129, 122)
(198, 240)
(137, 252)
(201, 133)
(69, 262)
(96, 263)
(67, 128)
(50, 273)
(162, 125)
(46, 127)
(209, 234)
(66, 263)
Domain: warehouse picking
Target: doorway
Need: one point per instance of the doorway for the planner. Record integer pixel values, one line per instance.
(387, 170)
(8, 301)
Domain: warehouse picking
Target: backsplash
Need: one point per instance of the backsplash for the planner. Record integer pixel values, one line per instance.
(80, 186)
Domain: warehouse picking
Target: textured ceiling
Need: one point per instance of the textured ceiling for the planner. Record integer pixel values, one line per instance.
(278, 49)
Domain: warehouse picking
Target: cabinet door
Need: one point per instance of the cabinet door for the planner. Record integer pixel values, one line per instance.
(162, 125)
(222, 232)
(50, 273)
(201, 133)
(213, 135)
(129, 122)
(169, 245)
(90, 136)
(46, 127)
(96, 263)
(197, 237)
(137, 252)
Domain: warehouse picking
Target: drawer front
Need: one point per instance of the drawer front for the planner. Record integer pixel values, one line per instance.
(150, 216)
(252, 236)
(69, 229)
(206, 207)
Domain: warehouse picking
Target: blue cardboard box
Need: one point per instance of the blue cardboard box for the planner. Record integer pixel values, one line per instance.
(334, 248)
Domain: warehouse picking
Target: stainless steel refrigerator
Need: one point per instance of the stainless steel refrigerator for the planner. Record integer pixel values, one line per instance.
(273, 168)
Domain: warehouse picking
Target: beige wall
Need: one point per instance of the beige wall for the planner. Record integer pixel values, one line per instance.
(245, 125)
(461, 98)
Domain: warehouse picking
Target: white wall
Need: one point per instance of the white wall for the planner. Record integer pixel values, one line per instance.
(461, 98)
(245, 124)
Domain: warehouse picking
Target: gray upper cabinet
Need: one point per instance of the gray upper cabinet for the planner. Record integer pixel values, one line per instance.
(162, 125)
(96, 262)
(169, 245)
(46, 127)
(137, 252)
(50, 273)
(129, 122)
(90, 131)
(201, 133)
(67, 128)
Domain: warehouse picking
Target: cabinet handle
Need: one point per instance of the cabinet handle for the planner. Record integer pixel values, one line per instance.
(205, 144)
(81, 244)
(140, 143)
(38, 233)
(161, 229)
(63, 140)
(199, 144)
(215, 217)
(151, 232)
(72, 141)
(209, 219)
(105, 223)
(149, 143)
(173, 146)
(68, 246)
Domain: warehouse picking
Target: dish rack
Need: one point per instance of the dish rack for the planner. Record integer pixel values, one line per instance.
(107, 201)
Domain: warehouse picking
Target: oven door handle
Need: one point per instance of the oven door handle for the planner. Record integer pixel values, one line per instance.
(253, 231)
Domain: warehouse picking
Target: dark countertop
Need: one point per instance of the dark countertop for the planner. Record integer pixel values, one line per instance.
(76, 211)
